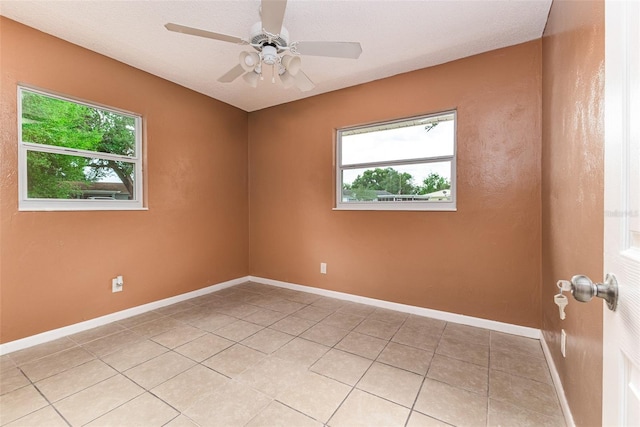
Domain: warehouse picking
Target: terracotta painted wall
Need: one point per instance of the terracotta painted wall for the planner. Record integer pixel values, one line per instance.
(56, 267)
(572, 194)
(483, 260)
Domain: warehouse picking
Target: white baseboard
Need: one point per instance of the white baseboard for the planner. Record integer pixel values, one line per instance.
(103, 320)
(568, 418)
(420, 311)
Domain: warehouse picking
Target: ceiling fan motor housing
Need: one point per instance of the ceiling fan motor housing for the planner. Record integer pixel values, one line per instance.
(269, 54)
(260, 38)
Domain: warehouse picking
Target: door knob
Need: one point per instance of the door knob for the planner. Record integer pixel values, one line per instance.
(583, 290)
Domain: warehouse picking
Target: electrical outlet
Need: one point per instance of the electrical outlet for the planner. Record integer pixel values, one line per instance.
(323, 268)
(563, 343)
(117, 284)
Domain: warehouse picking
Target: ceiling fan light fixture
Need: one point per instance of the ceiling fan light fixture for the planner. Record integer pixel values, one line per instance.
(249, 60)
(287, 80)
(292, 64)
(251, 78)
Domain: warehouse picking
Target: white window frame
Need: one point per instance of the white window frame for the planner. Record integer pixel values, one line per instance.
(41, 204)
(396, 206)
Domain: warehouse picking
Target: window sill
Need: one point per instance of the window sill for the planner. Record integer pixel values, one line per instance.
(61, 207)
(396, 207)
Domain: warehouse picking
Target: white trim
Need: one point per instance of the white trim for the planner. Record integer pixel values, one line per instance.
(420, 311)
(57, 205)
(42, 148)
(568, 417)
(103, 320)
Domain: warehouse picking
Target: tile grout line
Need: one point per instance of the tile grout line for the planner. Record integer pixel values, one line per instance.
(43, 396)
(424, 379)
(353, 387)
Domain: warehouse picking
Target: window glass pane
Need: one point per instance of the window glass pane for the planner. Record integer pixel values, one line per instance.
(411, 139)
(57, 122)
(416, 182)
(60, 176)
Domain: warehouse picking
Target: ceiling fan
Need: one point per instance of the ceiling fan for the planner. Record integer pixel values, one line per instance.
(274, 49)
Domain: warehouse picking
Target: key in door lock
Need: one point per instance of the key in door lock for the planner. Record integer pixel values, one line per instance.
(561, 302)
(583, 290)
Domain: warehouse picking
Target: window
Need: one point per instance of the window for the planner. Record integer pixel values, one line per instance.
(77, 156)
(407, 164)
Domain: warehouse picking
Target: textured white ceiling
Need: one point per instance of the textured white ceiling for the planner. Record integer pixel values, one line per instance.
(396, 36)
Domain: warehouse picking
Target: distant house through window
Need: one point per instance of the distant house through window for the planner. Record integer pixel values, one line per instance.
(407, 164)
(77, 156)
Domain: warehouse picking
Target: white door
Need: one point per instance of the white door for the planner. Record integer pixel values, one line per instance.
(621, 351)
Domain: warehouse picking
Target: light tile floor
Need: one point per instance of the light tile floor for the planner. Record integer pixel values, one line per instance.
(256, 355)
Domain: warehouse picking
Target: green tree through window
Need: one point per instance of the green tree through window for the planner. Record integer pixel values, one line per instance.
(389, 180)
(60, 123)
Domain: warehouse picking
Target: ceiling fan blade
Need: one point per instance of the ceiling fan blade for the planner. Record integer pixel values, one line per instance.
(203, 33)
(303, 82)
(333, 49)
(273, 15)
(232, 74)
